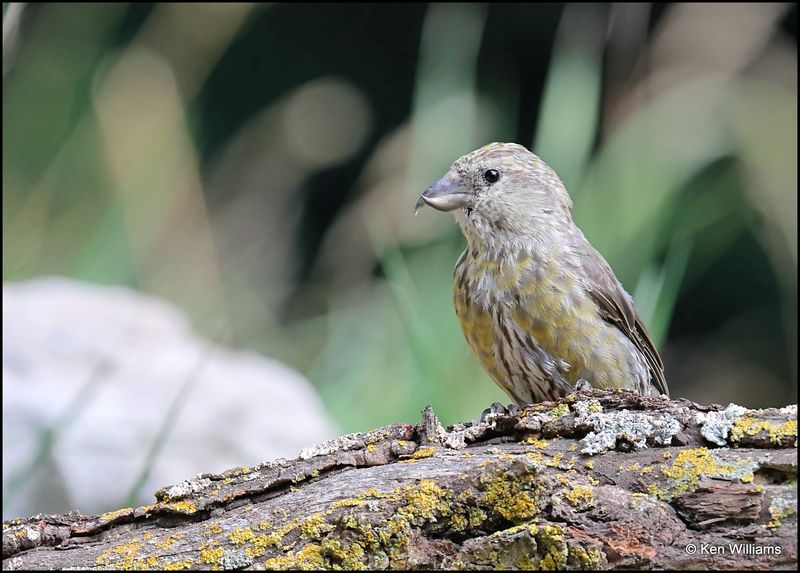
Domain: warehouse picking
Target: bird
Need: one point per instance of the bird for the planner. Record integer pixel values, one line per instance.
(537, 303)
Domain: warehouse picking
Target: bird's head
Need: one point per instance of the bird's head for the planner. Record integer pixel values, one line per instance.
(501, 191)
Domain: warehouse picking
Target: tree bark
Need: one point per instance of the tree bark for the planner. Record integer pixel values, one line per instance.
(598, 480)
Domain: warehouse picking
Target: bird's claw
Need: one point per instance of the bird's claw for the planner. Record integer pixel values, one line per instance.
(497, 409)
(582, 386)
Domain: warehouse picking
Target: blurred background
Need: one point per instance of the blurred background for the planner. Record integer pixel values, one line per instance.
(255, 168)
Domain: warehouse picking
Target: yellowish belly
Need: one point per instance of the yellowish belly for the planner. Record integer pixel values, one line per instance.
(509, 331)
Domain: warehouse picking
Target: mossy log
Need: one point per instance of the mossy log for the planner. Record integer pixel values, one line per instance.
(598, 480)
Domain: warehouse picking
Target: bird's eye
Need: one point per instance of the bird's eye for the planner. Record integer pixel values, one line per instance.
(491, 175)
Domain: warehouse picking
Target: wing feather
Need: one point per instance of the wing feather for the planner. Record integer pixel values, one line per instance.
(617, 308)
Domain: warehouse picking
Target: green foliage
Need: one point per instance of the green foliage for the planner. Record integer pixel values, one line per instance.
(104, 181)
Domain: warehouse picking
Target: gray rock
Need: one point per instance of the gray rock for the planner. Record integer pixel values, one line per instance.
(95, 376)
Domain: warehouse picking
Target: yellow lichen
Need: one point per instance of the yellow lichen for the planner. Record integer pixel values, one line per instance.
(241, 535)
(314, 526)
(126, 548)
(308, 558)
(127, 553)
(178, 565)
(778, 513)
(550, 539)
(349, 502)
(183, 506)
(112, 515)
(515, 498)
(423, 453)
(424, 500)
(103, 557)
(580, 496)
(687, 468)
(594, 407)
(211, 556)
(537, 443)
(213, 529)
(636, 497)
(589, 465)
(749, 426)
(511, 498)
(459, 522)
(256, 545)
(165, 544)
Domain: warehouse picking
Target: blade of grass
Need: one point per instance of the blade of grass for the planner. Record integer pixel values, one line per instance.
(49, 435)
(168, 423)
(569, 113)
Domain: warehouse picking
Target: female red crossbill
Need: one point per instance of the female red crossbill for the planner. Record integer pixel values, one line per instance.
(538, 304)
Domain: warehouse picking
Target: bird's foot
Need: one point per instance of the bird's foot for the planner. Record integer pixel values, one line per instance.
(582, 386)
(497, 409)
